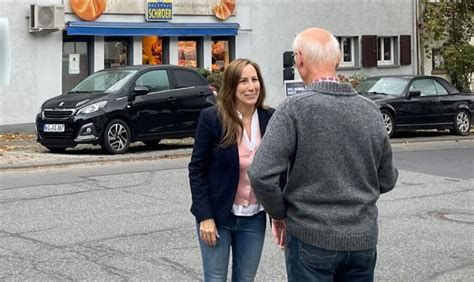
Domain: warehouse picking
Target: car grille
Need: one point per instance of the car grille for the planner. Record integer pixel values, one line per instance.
(57, 114)
(69, 134)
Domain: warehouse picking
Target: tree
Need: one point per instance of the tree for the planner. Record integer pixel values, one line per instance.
(451, 22)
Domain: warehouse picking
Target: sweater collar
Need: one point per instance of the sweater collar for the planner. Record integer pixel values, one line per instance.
(332, 88)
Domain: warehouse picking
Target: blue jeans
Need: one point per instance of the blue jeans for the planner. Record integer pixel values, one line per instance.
(245, 235)
(305, 262)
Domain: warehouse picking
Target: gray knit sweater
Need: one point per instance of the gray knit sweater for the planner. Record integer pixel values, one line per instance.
(341, 162)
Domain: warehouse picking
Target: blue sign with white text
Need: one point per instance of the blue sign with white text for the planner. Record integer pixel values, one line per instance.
(159, 11)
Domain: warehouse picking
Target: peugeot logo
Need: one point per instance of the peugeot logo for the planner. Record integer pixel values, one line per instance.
(61, 104)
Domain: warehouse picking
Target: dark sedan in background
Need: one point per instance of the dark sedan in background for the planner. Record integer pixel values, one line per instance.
(115, 107)
(419, 102)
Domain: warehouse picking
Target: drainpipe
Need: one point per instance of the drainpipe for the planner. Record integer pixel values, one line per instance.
(420, 55)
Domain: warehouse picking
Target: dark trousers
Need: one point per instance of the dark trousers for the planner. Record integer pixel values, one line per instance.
(305, 262)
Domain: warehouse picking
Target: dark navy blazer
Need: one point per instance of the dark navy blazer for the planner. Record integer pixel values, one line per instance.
(214, 170)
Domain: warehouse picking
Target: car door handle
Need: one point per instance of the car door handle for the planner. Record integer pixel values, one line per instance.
(203, 93)
(172, 99)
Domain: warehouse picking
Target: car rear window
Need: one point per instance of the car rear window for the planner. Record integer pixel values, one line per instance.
(185, 78)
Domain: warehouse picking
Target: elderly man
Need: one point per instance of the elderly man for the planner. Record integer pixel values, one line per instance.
(340, 161)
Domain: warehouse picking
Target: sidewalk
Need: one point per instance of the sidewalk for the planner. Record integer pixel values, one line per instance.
(21, 151)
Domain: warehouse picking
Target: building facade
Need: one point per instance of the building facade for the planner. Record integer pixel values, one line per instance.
(377, 37)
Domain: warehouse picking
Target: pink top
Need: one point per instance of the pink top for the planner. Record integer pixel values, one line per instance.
(245, 203)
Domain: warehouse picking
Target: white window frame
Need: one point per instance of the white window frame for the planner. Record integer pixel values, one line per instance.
(382, 61)
(350, 63)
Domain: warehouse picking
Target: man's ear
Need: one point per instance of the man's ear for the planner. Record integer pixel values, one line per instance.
(338, 61)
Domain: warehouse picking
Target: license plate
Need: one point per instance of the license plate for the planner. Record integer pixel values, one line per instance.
(53, 128)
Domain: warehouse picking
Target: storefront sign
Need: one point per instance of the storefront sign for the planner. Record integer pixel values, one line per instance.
(159, 10)
(180, 7)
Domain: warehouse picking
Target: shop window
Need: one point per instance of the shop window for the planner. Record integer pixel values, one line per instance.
(220, 55)
(189, 51)
(117, 53)
(154, 50)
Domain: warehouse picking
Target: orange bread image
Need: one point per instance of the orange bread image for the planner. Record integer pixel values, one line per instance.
(88, 10)
(224, 9)
(230, 4)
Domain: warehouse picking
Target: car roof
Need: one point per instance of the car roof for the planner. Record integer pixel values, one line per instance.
(404, 76)
(144, 67)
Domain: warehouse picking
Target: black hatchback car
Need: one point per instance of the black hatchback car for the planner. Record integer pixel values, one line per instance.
(116, 107)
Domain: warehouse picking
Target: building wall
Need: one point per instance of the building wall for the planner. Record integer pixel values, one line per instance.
(35, 66)
(267, 29)
(275, 23)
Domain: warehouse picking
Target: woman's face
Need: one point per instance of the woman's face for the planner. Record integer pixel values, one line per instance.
(248, 88)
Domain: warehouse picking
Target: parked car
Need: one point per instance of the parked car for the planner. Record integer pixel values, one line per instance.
(413, 102)
(116, 107)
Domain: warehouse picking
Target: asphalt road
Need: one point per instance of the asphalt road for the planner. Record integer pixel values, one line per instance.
(131, 221)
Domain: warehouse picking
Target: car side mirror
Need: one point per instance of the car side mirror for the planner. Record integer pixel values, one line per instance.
(140, 90)
(414, 93)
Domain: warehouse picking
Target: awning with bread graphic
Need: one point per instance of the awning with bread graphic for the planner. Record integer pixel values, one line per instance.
(90, 10)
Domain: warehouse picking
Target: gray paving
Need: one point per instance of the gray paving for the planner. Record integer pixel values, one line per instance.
(110, 221)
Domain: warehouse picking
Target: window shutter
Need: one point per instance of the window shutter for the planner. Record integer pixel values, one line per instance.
(405, 50)
(369, 51)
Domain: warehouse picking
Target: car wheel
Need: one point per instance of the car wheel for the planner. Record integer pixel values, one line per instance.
(56, 149)
(462, 123)
(116, 137)
(151, 143)
(389, 122)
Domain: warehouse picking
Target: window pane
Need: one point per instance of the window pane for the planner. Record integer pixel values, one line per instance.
(438, 60)
(116, 54)
(440, 88)
(220, 55)
(186, 79)
(68, 47)
(425, 86)
(152, 52)
(347, 48)
(74, 71)
(156, 80)
(387, 54)
(187, 53)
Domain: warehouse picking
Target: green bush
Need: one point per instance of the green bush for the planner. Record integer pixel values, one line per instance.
(204, 72)
(459, 61)
(215, 78)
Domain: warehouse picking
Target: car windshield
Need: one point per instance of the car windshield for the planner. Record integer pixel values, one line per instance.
(104, 81)
(384, 85)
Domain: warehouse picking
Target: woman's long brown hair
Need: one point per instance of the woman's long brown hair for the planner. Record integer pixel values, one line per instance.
(231, 123)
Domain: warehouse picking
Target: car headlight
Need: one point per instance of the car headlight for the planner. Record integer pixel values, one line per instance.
(92, 108)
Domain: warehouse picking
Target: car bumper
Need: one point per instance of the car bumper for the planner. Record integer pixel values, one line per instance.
(77, 130)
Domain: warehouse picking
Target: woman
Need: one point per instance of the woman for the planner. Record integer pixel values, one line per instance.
(226, 211)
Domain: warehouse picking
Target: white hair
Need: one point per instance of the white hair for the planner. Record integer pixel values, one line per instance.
(315, 52)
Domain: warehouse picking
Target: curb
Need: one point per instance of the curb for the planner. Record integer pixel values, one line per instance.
(172, 154)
